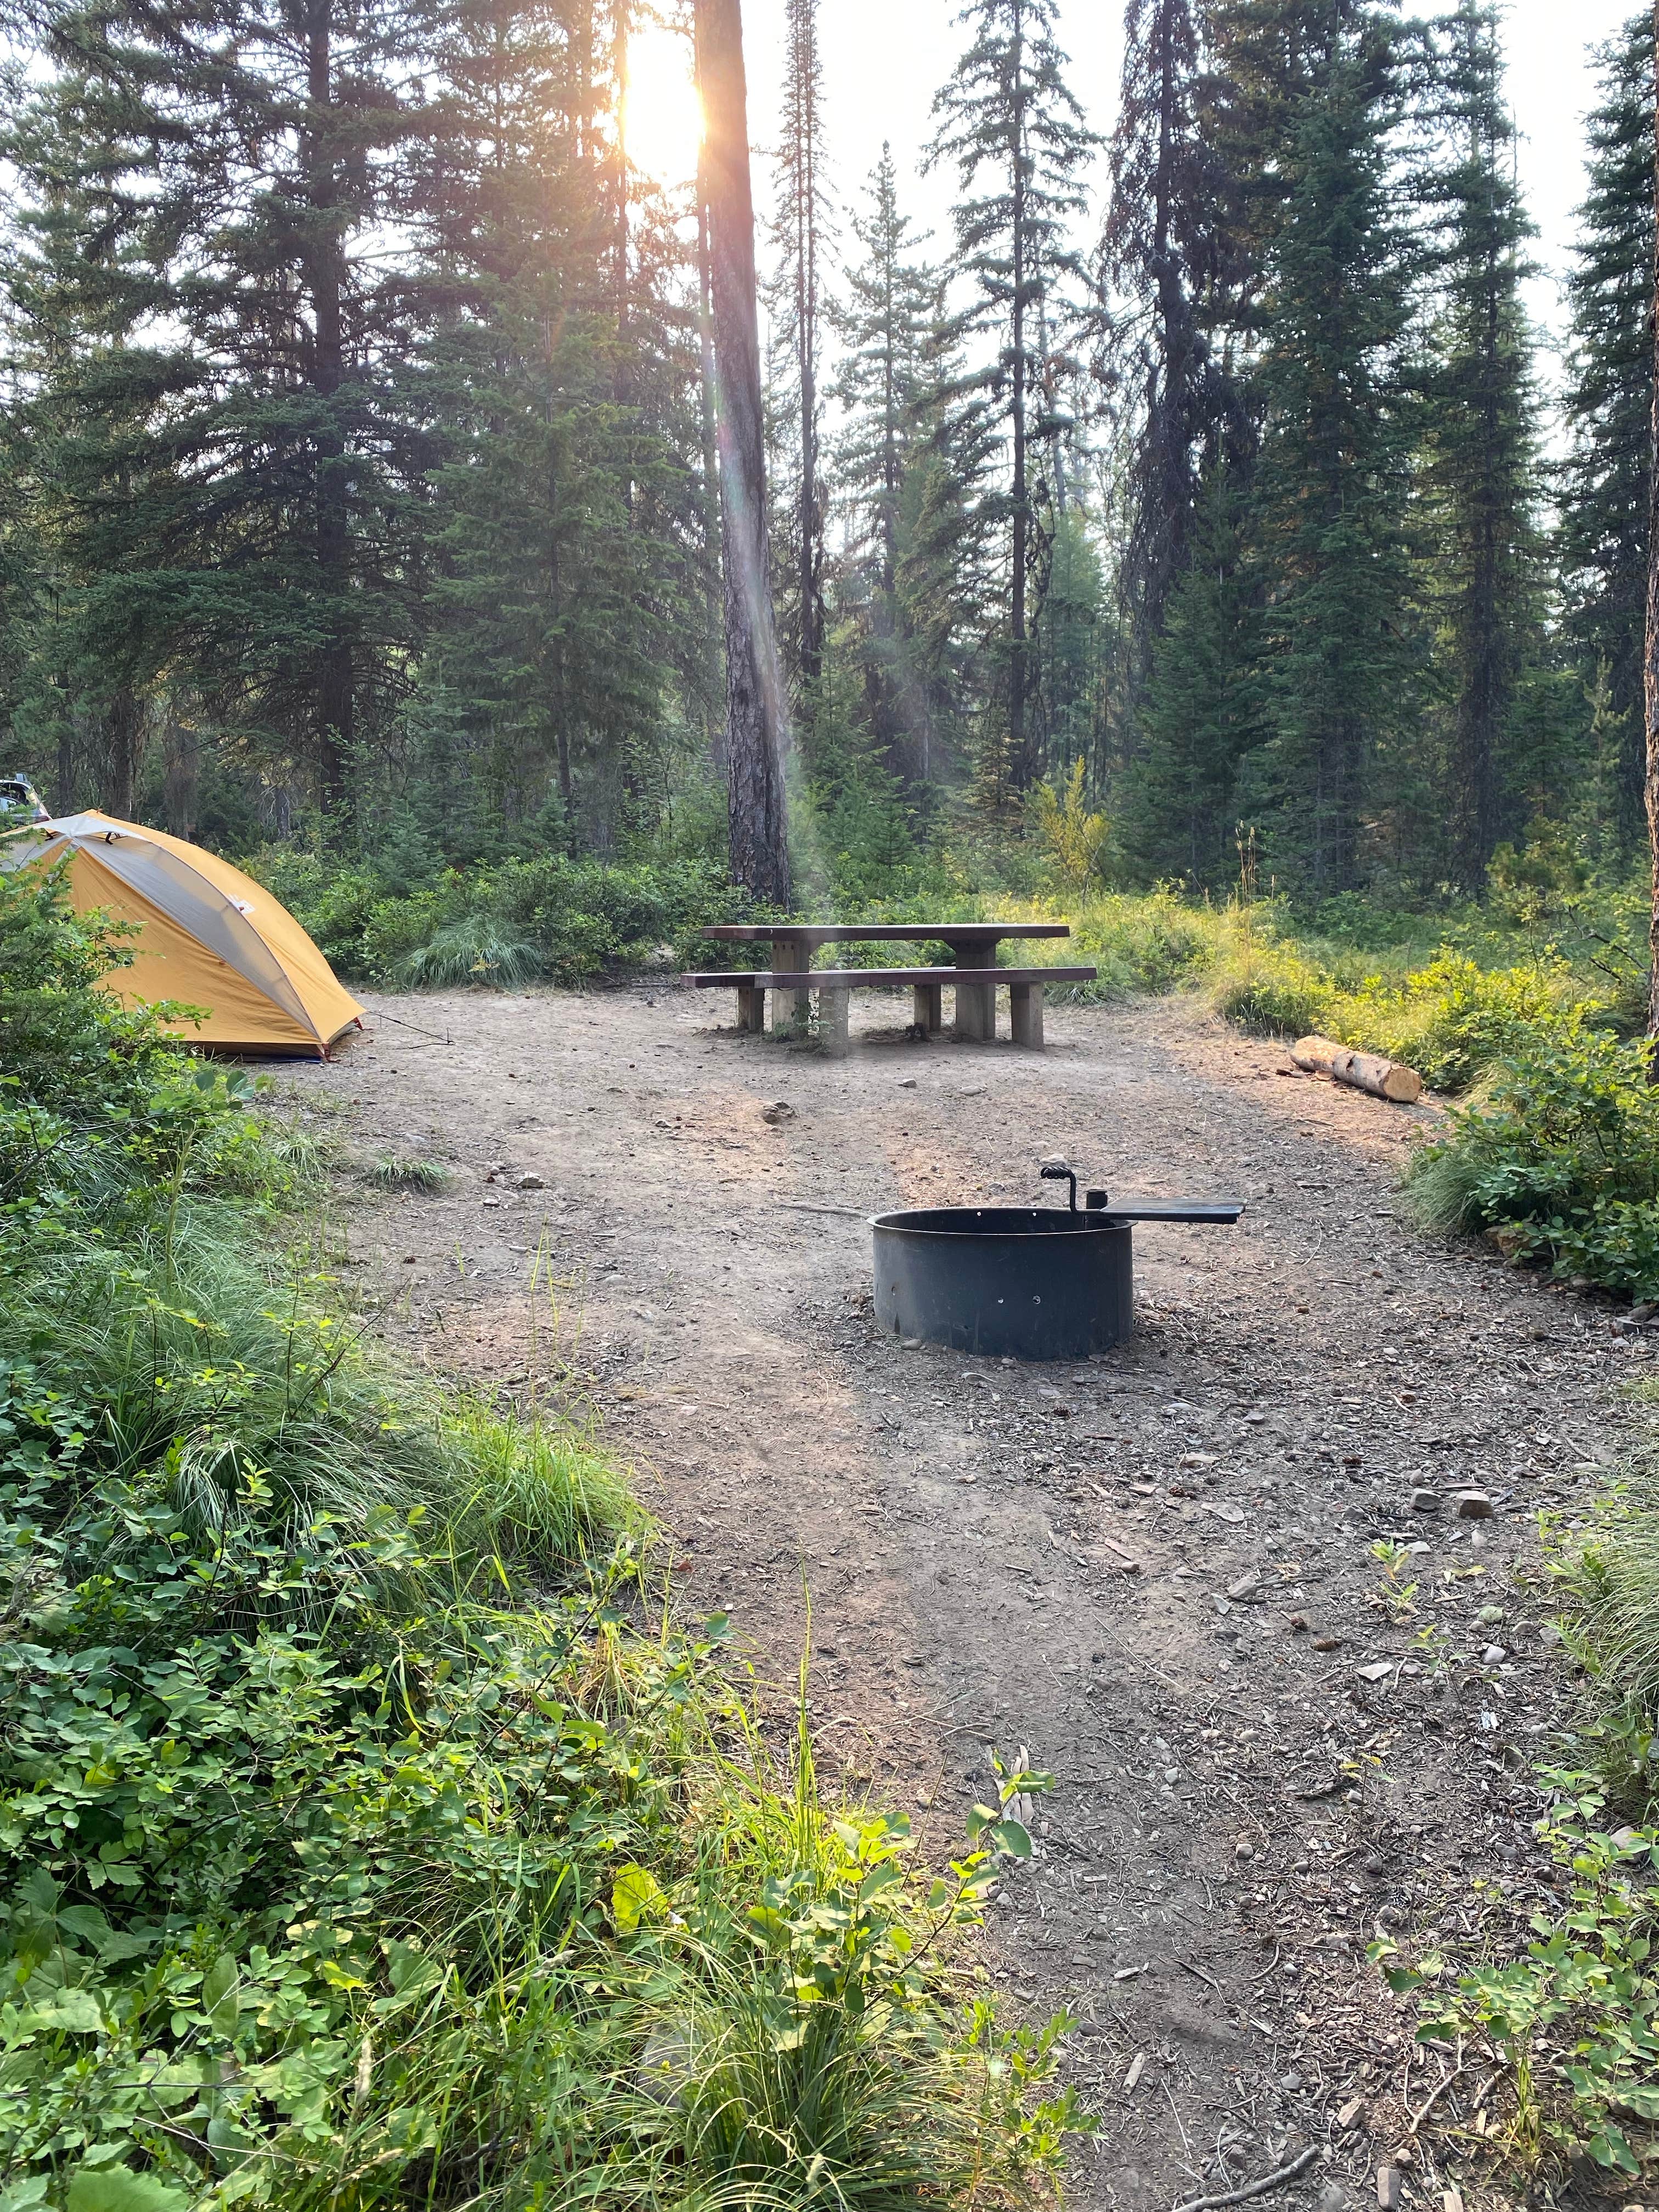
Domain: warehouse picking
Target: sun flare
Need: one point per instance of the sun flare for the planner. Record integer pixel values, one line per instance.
(662, 115)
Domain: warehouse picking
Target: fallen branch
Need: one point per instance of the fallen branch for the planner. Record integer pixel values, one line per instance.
(1299, 2164)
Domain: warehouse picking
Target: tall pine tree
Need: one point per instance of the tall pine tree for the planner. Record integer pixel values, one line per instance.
(1603, 537)
(205, 201)
(1172, 270)
(887, 313)
(1329, 523)
(1480, 463)
(801, 227)
(1013, 131)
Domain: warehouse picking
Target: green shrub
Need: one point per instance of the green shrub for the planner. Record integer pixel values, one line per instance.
(395, 929)
(1151, 943)
(1450, 1019)
(1269, 988)
(568, 920)
(584, 917)
(1561, 1160)
(1453, 1020)
(68, 1046)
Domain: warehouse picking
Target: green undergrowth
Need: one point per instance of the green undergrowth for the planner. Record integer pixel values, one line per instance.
(547, 919)
(1553, 1149)
(1557, 1162)
(371, 1832)
(1569, 2019)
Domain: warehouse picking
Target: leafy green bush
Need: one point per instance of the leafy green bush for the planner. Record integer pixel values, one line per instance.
(1150, 943)
(570, 919)
(68, 1046)
(1561, 1162)
(1452, 1020)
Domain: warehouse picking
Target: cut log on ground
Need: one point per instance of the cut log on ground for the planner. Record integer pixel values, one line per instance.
(1315, 1054)
(1361, 1071)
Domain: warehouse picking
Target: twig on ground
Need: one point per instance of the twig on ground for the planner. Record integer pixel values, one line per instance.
(1433, 2099)
(1299, 2164)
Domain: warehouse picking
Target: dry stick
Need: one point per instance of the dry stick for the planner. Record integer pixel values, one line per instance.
(1299, 2164)
(1433, 2099)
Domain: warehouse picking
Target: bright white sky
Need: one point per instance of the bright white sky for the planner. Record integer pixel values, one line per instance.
(884, 60)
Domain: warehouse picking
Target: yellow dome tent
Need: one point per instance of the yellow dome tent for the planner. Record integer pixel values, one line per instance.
(211, 937)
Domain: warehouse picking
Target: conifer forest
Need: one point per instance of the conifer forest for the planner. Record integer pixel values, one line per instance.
(366, 402)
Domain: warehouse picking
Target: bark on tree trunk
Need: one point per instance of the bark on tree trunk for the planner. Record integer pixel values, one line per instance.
(125, 734)
(713, 727)
(1020, 767)
(326, 278)
(754, 699)
(181, 775)
(1650, 657)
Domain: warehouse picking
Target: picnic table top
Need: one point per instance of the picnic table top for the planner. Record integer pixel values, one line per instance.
(909, 933)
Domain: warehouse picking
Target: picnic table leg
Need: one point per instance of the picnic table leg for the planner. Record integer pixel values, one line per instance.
(927, 1007)
(976, 1003)
(789, 1007)
(1025, 1013)
(832, 1023)
(751, 1008)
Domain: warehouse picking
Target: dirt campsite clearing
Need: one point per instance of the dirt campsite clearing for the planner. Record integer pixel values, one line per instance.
(1155, 1570)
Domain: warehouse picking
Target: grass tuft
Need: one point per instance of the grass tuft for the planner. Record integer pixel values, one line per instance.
(474, 949)
(407, 1171)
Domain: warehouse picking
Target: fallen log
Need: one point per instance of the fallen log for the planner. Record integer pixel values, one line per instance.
(1317, 1054)
(1361, 1071)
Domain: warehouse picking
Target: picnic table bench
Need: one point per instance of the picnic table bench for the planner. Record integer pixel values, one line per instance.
(975, 975)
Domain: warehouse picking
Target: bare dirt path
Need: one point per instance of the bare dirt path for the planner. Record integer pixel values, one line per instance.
(1155, 1570)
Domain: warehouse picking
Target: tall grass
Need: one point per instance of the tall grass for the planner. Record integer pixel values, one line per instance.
(476, 948)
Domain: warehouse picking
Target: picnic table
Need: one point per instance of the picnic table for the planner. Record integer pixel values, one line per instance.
(973, 975)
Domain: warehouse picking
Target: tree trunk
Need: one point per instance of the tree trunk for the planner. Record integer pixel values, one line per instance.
(754, 702)
(64, 795)
(1650, 659)
(326, 280)
(124, 754)
(180, 773)
(714, 729)
(1019, 764)
(804, 61)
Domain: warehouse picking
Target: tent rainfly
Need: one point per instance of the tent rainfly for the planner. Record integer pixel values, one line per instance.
(209, 936)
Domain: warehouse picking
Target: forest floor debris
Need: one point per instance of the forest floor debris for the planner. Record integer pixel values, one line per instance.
(1219, 1581)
